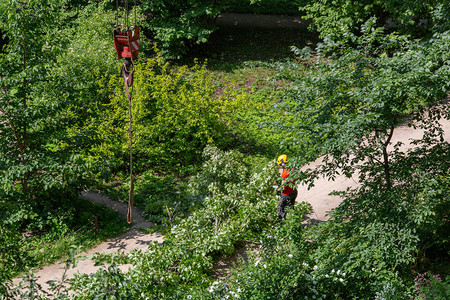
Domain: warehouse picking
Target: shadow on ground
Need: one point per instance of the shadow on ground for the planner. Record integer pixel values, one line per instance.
(229, 48)
(224, 265)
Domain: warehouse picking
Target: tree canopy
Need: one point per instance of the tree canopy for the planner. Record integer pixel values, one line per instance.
(204, 151)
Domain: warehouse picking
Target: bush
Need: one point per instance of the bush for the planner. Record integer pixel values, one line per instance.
(176, 113)
(279, 267)
(233, 206)
(333, 18)
(429, 286)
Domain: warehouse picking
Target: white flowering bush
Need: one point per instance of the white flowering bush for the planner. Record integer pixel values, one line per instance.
(234, 205)
(279, 270)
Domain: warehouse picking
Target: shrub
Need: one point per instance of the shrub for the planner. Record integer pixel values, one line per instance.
(234, 206)
(333, 18)
(175, 114)
(429, 286)
(278, 268)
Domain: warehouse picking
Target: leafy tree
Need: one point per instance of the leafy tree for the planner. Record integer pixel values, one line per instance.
(48, 91)
(348, 109)
(23, 23)
(352, 103)
(47, 94)
(177, 25)
(333, 18)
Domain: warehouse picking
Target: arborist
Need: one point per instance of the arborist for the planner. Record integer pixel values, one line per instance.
(127, 43)
(287, 192)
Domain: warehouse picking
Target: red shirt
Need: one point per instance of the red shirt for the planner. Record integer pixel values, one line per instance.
(287, 189)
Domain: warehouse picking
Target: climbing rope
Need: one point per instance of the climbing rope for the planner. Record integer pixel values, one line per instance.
(126, 43)
(127, 74)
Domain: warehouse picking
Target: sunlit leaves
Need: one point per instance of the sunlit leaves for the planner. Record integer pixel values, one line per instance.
(336, 18)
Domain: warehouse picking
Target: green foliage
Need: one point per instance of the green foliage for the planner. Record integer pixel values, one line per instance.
(176, 25)
(44, 87)
(371, 252)
(48, 90)
(278, 269)
(82, 71)
(24, 106)
(349, 106)
(348, 109)
(429, 286)
(60, 116)
(333, 18)
(162, 198)
(349, 258)
(440, 16)
(175, 114)
(11, 258)
(233, 206)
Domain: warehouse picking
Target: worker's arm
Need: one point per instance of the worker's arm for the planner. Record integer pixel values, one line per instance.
(281, 187)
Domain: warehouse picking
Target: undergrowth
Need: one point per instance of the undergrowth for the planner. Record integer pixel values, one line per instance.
(45, 236)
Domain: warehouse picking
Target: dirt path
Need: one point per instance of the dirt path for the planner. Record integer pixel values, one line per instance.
(133, 239)
(318, 196)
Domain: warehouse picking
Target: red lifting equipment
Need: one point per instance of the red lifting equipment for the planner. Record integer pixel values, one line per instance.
(127, 43)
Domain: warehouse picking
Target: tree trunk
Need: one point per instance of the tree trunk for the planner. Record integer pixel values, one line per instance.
(24, 137)
(386, 166)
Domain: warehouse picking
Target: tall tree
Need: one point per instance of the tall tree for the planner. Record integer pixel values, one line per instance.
(333, 18)
(177, 25)
(32, 118)
(350, 105)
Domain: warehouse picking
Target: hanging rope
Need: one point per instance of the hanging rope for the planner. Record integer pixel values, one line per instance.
(117, 12)
(127, 74)
(135, 13)
(127, 71)
(126, 15)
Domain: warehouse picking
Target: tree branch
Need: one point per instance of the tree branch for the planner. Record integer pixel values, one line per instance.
(10, 120)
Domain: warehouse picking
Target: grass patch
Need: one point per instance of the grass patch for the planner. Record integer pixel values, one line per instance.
(255, 60)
